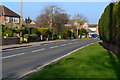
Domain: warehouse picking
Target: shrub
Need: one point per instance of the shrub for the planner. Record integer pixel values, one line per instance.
(8, 33)
(42, 31)
(34, 31)
(25, 31)
(1, 30)
(23, 42)
(26, 36)
(33, 35)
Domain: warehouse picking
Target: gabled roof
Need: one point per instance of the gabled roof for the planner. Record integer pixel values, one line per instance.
(7, 12)
(93, 25)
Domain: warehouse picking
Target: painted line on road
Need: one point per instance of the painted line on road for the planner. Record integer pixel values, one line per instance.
(70, 43)
(35, 70)
(64, 45)
(53, 47)
(45, 44)
(13, 55)
(38, 50)
(75, 42)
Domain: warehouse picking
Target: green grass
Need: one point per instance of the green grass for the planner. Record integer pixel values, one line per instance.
(90, 62)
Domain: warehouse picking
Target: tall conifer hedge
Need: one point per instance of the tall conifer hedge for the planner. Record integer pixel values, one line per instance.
(109, 24)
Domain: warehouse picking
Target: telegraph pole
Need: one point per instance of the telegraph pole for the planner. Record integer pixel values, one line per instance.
(21, 38)
(21, 12)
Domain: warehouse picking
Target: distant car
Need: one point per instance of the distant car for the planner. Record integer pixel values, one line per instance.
(94, 35)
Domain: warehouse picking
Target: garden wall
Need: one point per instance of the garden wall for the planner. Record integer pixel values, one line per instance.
(8, 41)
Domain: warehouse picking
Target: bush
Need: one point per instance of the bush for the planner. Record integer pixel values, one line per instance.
(1, 30)
(23, 42)
(8, 33)
(46, 32)
(42, 31)
(34, 31)
(33, 35)
(26, 36)
(25, 31)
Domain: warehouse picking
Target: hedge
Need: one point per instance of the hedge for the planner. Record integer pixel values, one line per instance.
(105, 24)
(118, 24)
(8, 33)
(109, 24)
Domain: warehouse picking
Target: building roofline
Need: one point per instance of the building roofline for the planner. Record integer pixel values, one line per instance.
(11, 13)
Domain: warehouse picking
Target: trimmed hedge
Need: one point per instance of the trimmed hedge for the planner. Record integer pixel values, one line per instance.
(109, 24)
(105, 24)
(118, 24)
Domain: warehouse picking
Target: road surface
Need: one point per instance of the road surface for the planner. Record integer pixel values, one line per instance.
(17, 62)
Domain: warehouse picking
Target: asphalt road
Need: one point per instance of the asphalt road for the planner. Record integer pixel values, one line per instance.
(17, 62)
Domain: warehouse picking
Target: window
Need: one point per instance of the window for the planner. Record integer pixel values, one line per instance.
(6, 19)
(15, 20)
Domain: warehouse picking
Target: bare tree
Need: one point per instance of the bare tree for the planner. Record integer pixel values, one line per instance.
(81, 19)
(42, 21)
(114, 1)
(52, 17)
(59, 21)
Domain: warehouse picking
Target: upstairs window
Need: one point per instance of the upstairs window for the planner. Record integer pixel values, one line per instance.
(15, 20)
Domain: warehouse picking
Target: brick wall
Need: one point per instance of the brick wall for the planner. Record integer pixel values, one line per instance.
(8, 41)
(2, 20)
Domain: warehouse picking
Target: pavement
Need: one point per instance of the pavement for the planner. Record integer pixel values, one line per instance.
(18, 62)
(13, 46)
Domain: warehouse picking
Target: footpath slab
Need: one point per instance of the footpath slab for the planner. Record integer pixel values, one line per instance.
(5, 47)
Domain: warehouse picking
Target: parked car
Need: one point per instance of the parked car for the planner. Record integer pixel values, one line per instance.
(94, 35)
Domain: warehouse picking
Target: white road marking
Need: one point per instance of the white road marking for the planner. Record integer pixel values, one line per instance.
(35, 70)
(75, 42)
(12, 55)
(38, 50)
(64, 45)
(54, 47)
(70, 43)
(45, 44)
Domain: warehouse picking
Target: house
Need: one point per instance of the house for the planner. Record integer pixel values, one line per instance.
(32, 22)
(85, 26)
(93, 28)
(8, 16)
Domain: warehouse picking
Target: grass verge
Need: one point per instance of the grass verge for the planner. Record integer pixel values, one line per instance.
(90, 62)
